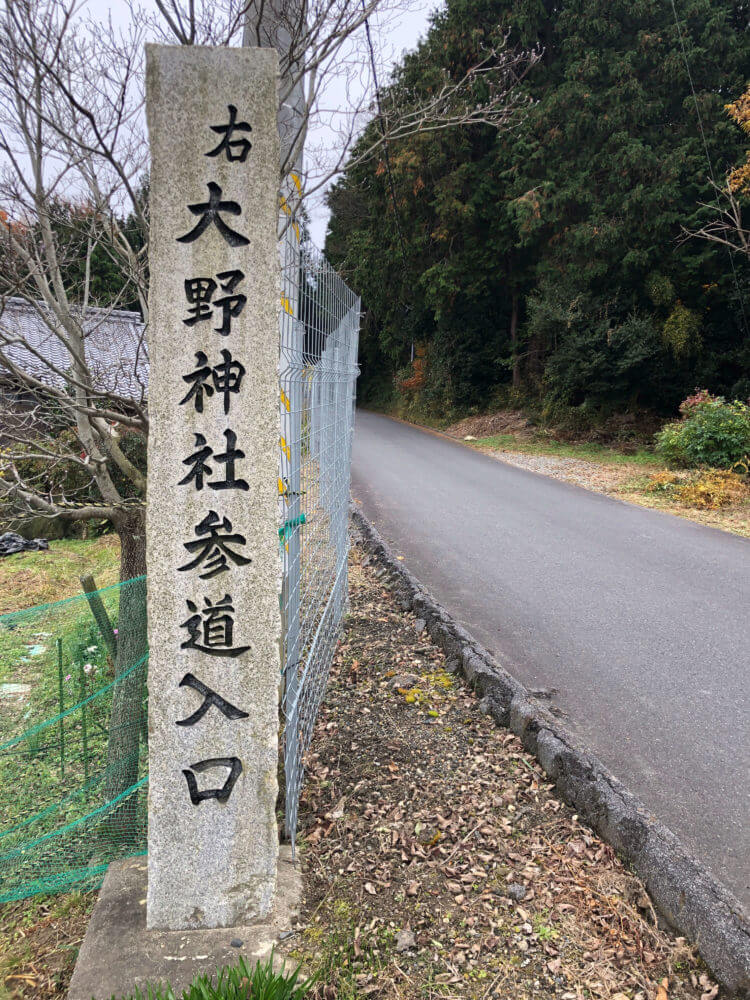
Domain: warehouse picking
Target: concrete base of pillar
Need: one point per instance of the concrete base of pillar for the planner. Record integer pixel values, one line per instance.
(118, 954)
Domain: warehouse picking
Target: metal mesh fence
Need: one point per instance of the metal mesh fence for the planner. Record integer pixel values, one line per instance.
(73, 740)
(318, 373)
(73, 735)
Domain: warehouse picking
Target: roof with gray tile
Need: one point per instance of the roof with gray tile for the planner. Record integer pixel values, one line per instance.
(116, 351)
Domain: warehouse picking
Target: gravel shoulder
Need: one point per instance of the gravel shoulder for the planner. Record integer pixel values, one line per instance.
(626, 481)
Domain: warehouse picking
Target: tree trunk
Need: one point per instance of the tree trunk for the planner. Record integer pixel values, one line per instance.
(514, 343)
(128, 717)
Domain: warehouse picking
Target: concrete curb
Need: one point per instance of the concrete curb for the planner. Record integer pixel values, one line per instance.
(691, 900)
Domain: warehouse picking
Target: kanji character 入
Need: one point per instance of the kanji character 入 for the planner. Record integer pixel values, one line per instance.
(210, 698)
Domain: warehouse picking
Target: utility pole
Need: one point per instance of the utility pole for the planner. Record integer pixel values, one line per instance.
(280, 24)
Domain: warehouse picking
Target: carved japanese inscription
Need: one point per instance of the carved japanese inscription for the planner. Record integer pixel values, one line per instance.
(213, 566)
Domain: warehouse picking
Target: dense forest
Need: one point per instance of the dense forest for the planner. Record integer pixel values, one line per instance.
(551, 262)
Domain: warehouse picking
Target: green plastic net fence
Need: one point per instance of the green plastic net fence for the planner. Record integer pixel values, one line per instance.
(73, 740)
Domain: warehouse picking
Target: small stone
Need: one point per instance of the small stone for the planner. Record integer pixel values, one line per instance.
(236, 943)
(420, 625)
(403, 681)
(516, 891)
(405, 940)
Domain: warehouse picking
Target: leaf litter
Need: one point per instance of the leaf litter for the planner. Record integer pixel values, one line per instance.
(438, 860)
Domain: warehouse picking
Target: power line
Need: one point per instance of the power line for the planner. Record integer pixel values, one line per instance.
(386, 151)
(710, 164)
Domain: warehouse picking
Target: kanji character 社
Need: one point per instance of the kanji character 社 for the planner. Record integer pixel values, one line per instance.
(200, 468)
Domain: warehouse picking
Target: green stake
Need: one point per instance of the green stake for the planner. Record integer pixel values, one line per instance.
(62, 707)
(84, 727)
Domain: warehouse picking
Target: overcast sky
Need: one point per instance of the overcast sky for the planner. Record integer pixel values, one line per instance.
(403, 33)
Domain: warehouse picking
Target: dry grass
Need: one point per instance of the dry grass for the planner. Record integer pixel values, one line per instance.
(39, 942)
(439, 862)
(31, 578)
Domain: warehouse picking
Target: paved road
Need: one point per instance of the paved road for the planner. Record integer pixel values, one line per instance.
(638, 619)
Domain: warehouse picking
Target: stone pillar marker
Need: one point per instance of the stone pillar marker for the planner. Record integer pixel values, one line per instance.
(212, 541)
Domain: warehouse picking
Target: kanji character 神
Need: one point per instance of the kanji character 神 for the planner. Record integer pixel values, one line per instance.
(228, 145)
(209, 698)
(214, 548)
(225, 378)
(211, 630)
(210, 211)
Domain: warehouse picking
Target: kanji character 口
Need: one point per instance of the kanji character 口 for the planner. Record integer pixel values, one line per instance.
(220, 794)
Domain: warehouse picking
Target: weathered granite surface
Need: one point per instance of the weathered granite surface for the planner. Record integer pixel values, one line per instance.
(212, 864)
(119, 954)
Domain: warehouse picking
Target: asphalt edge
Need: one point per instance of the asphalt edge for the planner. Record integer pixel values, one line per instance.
(692, 901)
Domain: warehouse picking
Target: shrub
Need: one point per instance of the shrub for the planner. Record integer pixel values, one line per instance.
(714, 489)
(664, 484)
(699, 398)
(705, 490)
(712, 433)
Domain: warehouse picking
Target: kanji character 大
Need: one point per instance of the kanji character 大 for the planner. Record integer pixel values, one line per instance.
(213, 547)
(211, 630)
(210, 211)
(235, 149)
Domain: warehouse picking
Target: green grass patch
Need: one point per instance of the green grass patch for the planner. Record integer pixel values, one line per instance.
(588, 451)
(237, 983)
